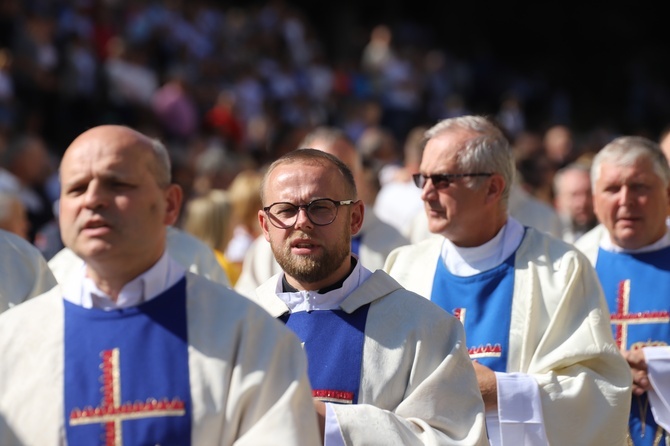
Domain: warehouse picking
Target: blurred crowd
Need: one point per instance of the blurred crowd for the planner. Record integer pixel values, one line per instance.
(230, 88)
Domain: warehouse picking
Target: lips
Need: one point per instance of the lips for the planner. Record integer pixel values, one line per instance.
(303, 243)
(303, 246)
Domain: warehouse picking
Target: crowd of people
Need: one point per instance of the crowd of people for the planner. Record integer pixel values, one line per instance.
(198, 189)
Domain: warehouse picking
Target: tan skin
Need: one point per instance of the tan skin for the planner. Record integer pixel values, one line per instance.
(113, 212)
(632, 202)
(467, 217)
(299, 183)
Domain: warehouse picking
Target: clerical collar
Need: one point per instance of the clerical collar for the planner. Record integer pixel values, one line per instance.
(290, 289)
(82, 291)
(607, 244)
(328, 298)
(467, 262)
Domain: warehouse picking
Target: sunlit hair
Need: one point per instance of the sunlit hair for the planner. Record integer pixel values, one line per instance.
(162, 167)
(488, 150)
(625, 151)
(210, 218)
(244, 194)
(560, 173)
(314, 157)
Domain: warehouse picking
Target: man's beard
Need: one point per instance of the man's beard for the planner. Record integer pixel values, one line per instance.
(313, 268)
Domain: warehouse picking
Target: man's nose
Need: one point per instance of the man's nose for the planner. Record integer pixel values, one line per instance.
(302, 219)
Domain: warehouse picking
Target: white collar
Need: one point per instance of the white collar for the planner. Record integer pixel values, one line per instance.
(466, 262)
(311, 300)
(607, 244)
(82, 291)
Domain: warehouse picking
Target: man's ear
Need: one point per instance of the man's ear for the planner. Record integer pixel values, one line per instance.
(357, 215)
(263, 222)
(495, 188)
(173, 196)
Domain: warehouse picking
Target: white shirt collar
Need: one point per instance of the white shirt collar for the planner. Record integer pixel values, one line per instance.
(311, 300)
(607, 244)
(466, 262)
(82, 291)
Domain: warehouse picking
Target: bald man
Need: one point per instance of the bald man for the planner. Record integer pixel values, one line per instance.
(134, 349)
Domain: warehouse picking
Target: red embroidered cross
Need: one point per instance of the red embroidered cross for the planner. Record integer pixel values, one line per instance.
(112, 413)
(480, 351)
(622, 318)
(334, 396)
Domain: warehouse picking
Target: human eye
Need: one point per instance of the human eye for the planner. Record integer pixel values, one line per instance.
(283, 210)
(321, 206)
(440, 181)
(75, 189)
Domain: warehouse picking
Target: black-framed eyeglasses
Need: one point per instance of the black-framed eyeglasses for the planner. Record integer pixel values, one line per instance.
(443, 180)
(321, 212)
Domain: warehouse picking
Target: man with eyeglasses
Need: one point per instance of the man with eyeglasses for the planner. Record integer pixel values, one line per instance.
(534, 315)
(372, 244)
(386, 366)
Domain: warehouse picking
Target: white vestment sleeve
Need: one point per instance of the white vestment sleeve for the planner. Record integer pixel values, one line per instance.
(520, 419)
(658, 371)
(332, 434)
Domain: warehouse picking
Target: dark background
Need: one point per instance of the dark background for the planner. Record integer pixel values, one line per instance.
(609, 59)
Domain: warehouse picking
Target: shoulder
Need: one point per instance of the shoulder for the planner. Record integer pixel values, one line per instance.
(214, 300)
(216, 312)
(589, 243)
(541, 251)
(13, 247)
(393, 299)
(409, 253)
(32, 316)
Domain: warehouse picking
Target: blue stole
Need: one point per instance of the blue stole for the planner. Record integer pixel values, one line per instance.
(483, 303)
(333, 341)
(126, 373)
(637, 289)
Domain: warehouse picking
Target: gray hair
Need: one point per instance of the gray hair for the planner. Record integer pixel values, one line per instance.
(488, 150)
(578, 166)
(162, 168)
(626, 151)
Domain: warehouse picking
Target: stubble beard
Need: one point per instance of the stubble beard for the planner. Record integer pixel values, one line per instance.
(312, 268)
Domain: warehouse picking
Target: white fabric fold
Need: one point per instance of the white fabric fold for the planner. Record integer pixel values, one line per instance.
(658, 371)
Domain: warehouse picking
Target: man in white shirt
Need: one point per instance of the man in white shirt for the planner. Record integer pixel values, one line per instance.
(133, 349)
(630, 251)
(386, 366)
(534, 315)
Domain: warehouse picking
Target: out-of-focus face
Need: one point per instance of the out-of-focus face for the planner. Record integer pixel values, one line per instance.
(632, 203)
(311, 256)
(113, 213)
(574, 197)
(17, 220)
(457, 211)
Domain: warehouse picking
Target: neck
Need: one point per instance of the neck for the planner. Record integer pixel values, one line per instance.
(111, 279)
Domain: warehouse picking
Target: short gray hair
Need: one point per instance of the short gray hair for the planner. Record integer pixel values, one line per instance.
(626, 151)
(487, 151)
(162, 168)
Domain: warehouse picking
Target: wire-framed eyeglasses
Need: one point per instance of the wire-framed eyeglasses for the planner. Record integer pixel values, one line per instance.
(443, 180)
(321, 212)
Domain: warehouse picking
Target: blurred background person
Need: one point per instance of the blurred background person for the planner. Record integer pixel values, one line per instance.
(573, 200)
(245, 196)
(210, 219)
(13, 217)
